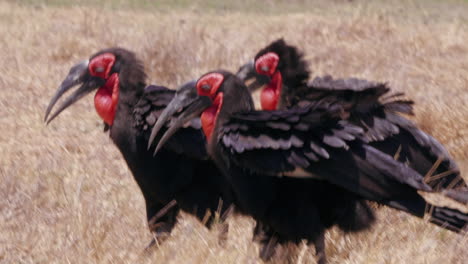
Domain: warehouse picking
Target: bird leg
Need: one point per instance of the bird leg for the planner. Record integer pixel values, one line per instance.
(224, 226)
(268, 249)
(220, 216)
(259, 233)
(268, 240)
(319, 244)
(162, 223)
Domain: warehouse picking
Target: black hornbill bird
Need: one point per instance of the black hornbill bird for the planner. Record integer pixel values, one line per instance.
(180, 176)
(272, 159)
(283, 74)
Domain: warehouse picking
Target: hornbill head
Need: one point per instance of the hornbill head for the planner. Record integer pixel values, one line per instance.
(281, 65)
(251, 78)
(208, 103)
(110, 72)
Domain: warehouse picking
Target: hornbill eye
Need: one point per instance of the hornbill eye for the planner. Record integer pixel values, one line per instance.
(206, 87)
(267, 63)
(101, 65)
(265, 68)
(209, 84)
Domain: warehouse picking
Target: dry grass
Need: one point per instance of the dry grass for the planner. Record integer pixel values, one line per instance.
(67, 196)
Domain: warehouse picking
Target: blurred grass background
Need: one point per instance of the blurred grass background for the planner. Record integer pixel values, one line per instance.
(246, 6)
(67, 195)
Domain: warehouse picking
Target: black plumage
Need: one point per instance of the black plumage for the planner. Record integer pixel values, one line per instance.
(293, 169)
(181, 171)
(371, 106)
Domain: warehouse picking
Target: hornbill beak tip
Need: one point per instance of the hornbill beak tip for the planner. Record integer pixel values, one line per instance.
(156, 150)
(246, 71)
(154, 132)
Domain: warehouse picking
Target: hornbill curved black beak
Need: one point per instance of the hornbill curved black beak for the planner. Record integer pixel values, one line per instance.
(183, 97)
(188, 104)
(78, 74)
(251, 78)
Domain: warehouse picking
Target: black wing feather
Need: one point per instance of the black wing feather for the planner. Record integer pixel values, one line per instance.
(370, 106)
(322, 150)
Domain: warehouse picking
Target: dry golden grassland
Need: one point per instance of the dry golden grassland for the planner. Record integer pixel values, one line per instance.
(66, 193)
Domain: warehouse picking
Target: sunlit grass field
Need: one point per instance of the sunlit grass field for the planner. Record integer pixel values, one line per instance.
(66, 193)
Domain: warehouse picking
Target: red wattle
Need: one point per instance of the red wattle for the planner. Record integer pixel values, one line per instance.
(268, 99)
(271, 94)
(208, 118)
(106, 99)
(210, 115)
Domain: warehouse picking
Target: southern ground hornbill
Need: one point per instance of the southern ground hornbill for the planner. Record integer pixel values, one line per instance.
(180, 176)
(280, 163)
(283, 74)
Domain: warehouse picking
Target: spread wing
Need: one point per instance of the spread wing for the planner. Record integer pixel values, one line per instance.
(313, 142)
(366, 103)
(370, 106)
(189, 140)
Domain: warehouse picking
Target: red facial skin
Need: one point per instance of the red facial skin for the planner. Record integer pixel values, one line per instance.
(106, 99)
(100, 66)
(208, 85)
(267, 65)
(107, 96)
(210, 115)
(271, 94)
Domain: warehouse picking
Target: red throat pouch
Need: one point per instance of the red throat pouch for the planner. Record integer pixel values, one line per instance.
(270, 95)
(210, 115)
(106, 99)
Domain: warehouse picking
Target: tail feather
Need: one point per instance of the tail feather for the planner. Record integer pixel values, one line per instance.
(448, 218)
(424, 154)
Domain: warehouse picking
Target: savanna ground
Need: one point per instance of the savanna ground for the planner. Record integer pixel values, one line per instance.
(67, 195)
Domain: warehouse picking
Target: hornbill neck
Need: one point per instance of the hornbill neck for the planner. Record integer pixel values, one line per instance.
(236, 98)
(292, 80)
(128, 98)
(122, 131)
(132, 83)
